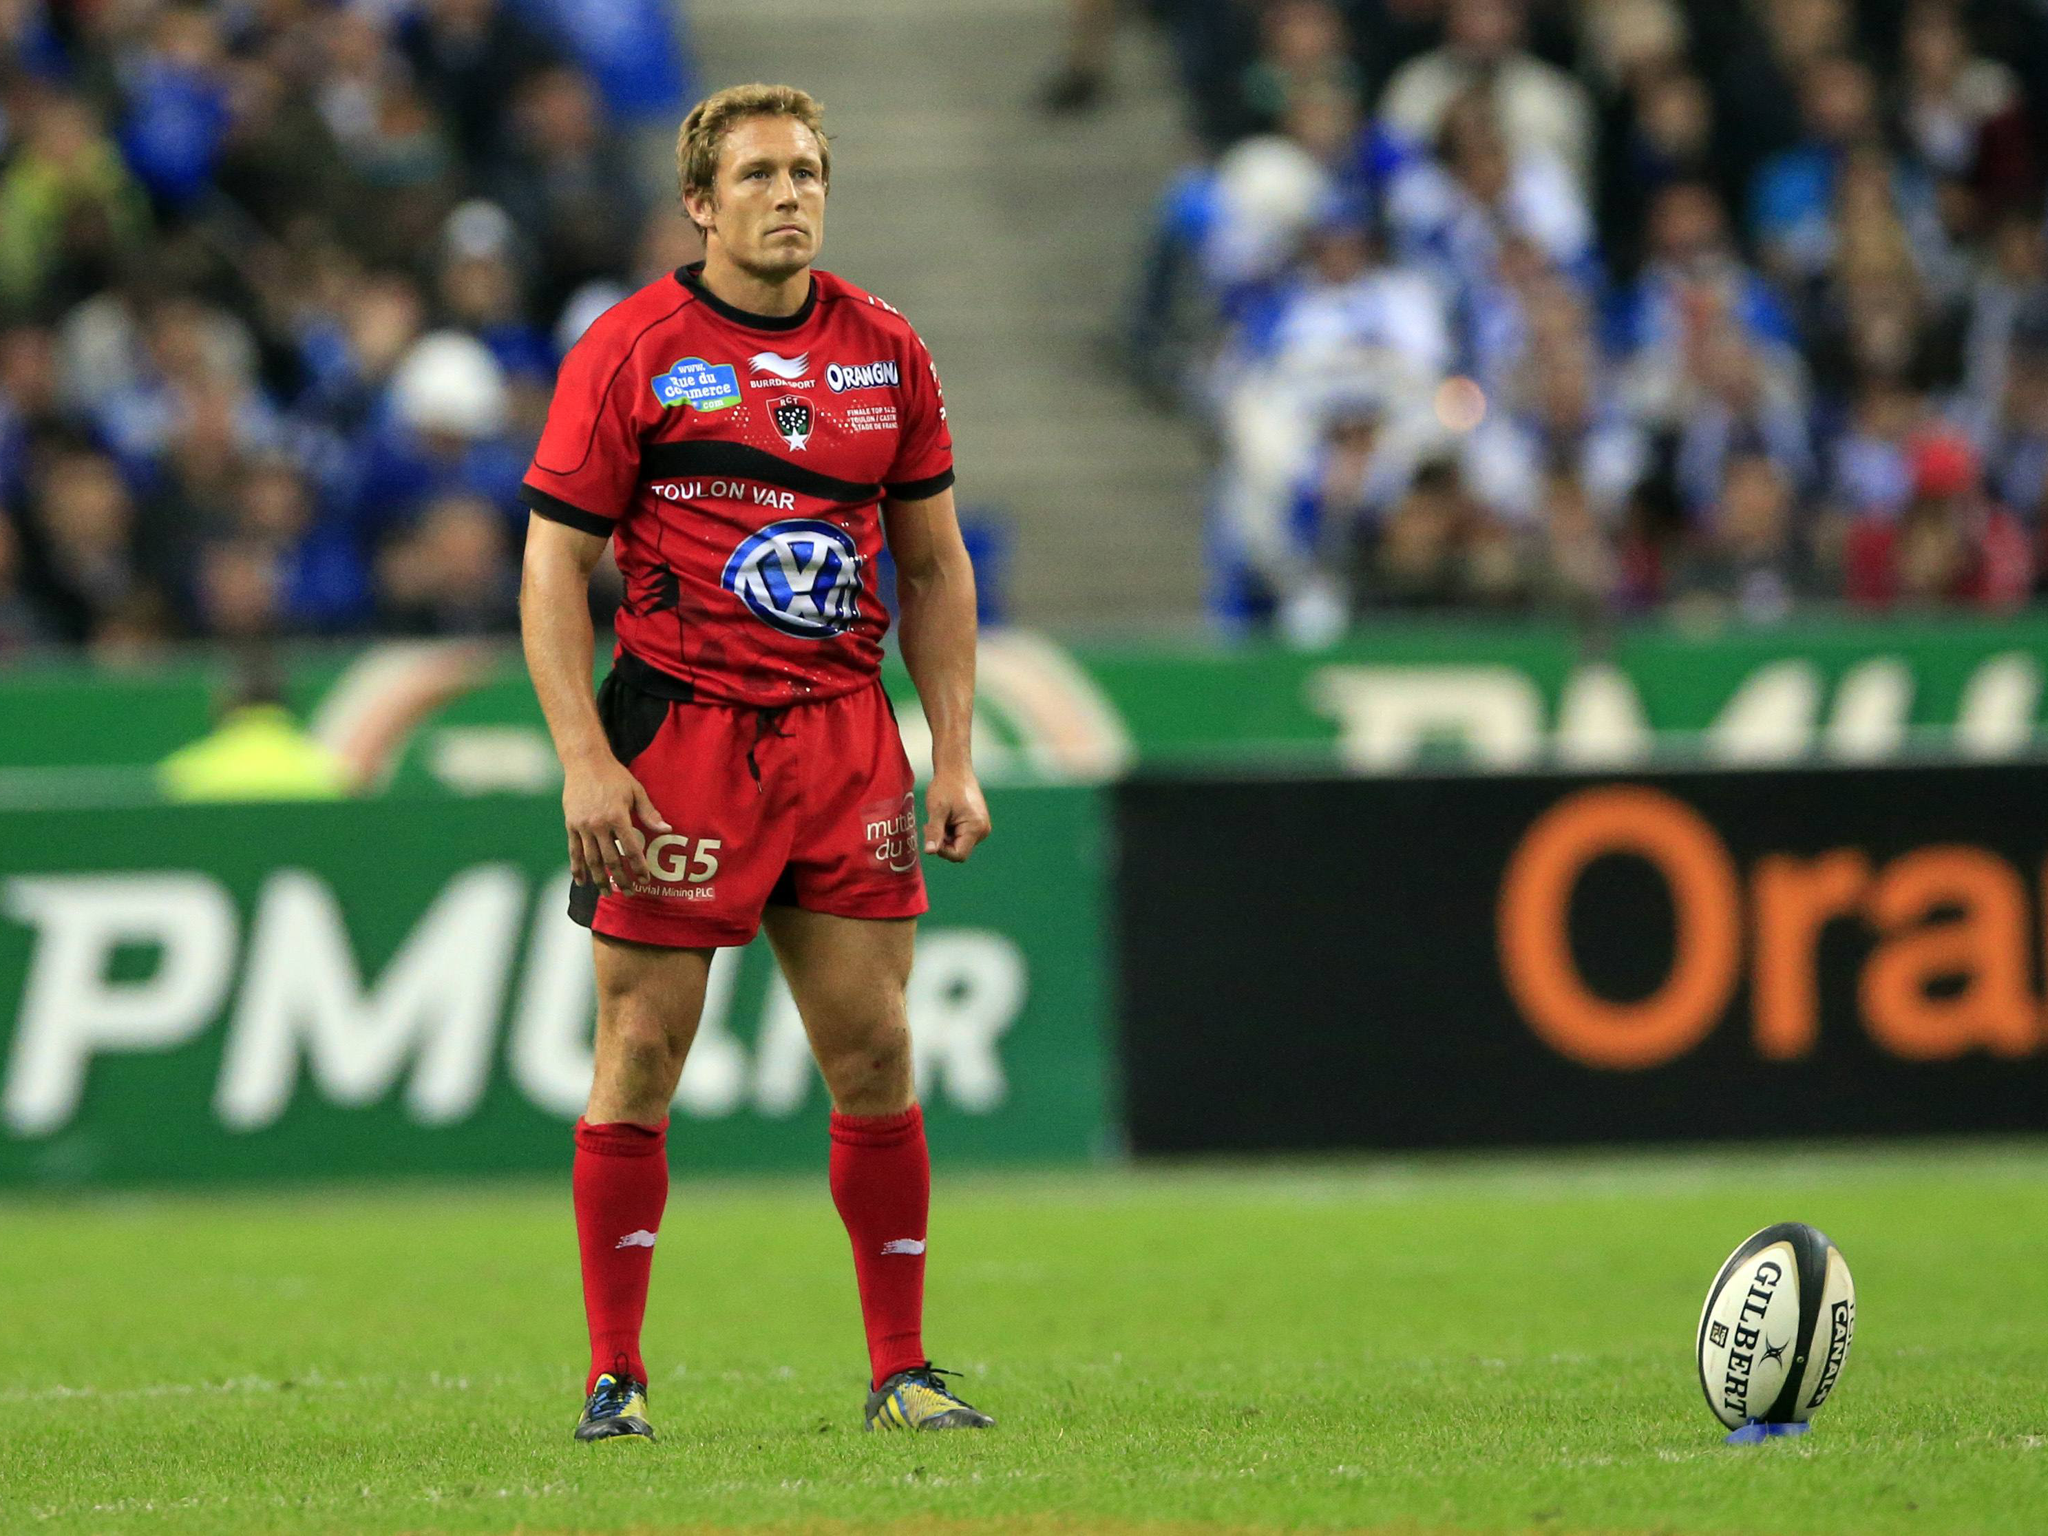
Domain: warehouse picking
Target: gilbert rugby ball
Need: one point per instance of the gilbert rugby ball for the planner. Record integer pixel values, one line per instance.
(1776, 1328)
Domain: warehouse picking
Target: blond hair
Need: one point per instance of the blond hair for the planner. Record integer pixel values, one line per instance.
(703, 132)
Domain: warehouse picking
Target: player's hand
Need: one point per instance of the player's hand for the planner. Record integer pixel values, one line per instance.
(956, 817)
(600, 803)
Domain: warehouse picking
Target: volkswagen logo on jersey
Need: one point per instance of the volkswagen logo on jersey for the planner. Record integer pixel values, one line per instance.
(800, 576)
(793, 419)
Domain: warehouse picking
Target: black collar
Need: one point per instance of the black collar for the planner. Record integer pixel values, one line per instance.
(692, 278)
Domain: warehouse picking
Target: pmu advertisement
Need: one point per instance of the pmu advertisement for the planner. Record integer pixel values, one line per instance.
(1531, 959)
(393, 986)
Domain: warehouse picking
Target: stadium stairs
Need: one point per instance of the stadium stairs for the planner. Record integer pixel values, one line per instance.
(1010, 240)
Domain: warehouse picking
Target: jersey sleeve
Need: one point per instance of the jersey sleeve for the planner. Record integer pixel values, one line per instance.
(924, 450)
(588, 462)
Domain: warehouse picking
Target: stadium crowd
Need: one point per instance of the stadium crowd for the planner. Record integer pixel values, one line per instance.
(283, 285)
(1581, 306)
(1600, 305)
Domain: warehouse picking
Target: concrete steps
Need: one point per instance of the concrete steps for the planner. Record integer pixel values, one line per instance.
(1010, 240)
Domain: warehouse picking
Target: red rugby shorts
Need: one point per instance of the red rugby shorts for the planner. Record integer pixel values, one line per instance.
(809, 805)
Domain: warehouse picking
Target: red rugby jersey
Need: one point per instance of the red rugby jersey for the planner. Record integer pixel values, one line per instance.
(739, 462)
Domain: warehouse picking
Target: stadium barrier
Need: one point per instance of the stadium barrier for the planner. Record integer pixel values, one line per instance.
(193, 993)
(456, 718)
(1484, 960)
(386, 985)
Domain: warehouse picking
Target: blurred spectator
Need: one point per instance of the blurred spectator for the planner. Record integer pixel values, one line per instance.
(176, 93)
(1744, 560)
(27, 40)
(1344, 331)
(1575, 573)
(2008, 308)
(567, 185)
(1303, 50)
(2017, 467)
(255, 751)
(1627, 41)
(263, 333)
(1357, 473)
(632, 49)
(444, 432)
(1692, 265)
(1794, 202)
(352, 332)
(83, 521)
(1438, 548)
(319, 577)
(30, 410)
(1560, 425)
(135, 631)
(1453, 213)
(1870, 462)
(279, 161)
(1882, 309)
(1269, 189)
(193, 375)
(1756, 55)
(70, 210)
(1543, 110)
(1949, 545)
(401, 162)
(1735, 398)
(452, 574)
(23, 623)
(1661, 136)
(238, 597)
(473, 59)
(480, 291)
(1347, 319)
(1963, 114)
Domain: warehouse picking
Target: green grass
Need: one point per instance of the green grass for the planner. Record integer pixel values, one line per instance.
(1460, 1345)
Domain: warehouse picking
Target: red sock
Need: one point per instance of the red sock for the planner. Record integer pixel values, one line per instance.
(882, 1184)
(621, 1184)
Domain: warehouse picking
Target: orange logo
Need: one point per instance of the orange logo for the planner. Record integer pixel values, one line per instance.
(1951, 971)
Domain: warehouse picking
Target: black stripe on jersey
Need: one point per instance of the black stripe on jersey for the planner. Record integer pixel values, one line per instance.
(918, 490)
(556, 510)
(700, 456)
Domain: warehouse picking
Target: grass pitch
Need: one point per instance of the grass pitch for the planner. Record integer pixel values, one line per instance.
(1403, 1347)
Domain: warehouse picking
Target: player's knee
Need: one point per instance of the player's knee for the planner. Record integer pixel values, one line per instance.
(868, 1067)
(642, 1049)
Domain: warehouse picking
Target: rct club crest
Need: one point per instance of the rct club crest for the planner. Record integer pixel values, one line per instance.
(793, 419)
(800, 576)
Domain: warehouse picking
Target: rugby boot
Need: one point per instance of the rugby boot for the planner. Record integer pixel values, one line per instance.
(920, 1399)
(617, 1410)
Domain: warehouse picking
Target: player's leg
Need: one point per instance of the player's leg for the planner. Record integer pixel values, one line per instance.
(847, 976)
(648, 1002)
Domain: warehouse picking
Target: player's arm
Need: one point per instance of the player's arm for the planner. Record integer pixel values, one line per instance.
(599, 796)
(935, 591)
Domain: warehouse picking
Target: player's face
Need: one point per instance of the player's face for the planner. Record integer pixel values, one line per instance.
(769, 212)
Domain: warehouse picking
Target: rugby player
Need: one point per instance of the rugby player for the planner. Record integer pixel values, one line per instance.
(746, 433)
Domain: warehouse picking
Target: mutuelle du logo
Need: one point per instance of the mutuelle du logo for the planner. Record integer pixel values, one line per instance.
(800, 576)
(701, 385)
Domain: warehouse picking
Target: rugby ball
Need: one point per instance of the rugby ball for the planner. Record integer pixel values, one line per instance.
(1776, 1328)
